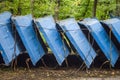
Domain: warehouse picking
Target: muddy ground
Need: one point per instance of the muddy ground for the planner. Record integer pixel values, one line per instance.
(52, 71)
(56, 74)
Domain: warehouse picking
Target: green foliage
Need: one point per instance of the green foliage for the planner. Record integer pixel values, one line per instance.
(43, 7)
(104, 7)
(68, 8)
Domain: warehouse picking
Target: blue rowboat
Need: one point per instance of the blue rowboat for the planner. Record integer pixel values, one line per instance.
(48, 28)
(24, 26)
(7, 41)
(78, 40)
(102, 39)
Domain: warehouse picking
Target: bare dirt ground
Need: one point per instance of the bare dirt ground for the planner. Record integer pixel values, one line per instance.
(42, 73)
(51, 72)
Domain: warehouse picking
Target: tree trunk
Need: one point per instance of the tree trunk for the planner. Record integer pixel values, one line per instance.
(94, 8)
(57, 9)
(19, 8)
(32, 7)
(86, 9)
(117, 7)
